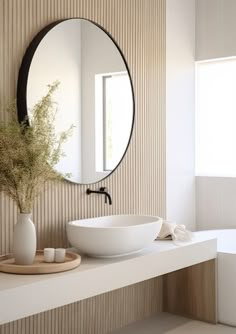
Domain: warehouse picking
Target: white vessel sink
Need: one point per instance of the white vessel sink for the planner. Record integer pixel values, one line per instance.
(112, 236)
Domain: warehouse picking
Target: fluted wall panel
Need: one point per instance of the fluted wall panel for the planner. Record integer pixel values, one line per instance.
(96, 315)
(138, 184)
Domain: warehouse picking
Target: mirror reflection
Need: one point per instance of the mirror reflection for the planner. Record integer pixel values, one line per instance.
(95, 95)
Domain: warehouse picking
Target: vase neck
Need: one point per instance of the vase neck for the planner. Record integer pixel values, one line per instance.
(24, 216)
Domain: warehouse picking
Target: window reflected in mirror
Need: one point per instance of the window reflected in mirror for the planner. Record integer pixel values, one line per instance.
(114, 115)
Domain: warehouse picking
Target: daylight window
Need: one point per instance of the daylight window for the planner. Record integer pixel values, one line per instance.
(216, 118)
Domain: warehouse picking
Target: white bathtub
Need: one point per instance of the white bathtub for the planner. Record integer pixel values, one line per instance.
(226, 247)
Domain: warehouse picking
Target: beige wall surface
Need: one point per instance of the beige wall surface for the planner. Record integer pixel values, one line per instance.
(215, 29)
(138, 185)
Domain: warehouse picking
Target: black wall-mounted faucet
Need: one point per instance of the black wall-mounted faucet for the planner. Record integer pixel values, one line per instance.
(100, 191)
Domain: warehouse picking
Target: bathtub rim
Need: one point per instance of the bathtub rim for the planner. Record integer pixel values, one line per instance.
(221, 249)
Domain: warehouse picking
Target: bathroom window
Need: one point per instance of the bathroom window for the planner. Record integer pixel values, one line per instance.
(113, 117)
(216, 117)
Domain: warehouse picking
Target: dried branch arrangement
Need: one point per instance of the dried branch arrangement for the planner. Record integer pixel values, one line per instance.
(29, 154)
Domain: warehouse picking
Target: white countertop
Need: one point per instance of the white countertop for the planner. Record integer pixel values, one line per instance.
(25, 295)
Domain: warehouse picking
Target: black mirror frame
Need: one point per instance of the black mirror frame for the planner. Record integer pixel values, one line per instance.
(24, 72)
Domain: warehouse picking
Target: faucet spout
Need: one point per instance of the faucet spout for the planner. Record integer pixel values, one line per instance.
(100, 191)
(107, 196)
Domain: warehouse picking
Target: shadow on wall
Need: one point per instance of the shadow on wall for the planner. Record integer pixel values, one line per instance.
(215, 202)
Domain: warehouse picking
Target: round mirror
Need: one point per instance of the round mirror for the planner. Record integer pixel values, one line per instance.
(95, 94)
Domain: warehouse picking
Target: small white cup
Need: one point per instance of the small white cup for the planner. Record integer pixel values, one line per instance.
(49, 254)
(60, 254)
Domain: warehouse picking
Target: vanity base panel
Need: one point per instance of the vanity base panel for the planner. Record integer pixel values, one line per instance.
(191, 292)
(98, 315)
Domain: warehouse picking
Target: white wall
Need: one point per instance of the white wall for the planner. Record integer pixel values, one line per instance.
(215, 37)
(215, 29)
(180, 53)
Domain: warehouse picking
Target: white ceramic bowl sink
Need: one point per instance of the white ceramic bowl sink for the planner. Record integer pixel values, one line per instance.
(112, 236)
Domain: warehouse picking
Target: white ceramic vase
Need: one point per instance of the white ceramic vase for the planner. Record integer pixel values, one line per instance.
(24, 240)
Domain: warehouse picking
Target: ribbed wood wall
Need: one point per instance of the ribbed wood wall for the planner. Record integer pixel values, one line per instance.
(138, 185)
(97, 315)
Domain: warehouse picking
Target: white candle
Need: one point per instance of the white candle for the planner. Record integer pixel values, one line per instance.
(60, 254)
(49, 254)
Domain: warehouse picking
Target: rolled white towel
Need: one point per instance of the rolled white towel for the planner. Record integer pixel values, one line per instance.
(171, 230)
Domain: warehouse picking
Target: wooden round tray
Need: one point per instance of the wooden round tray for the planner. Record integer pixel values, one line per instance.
(72, 260)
